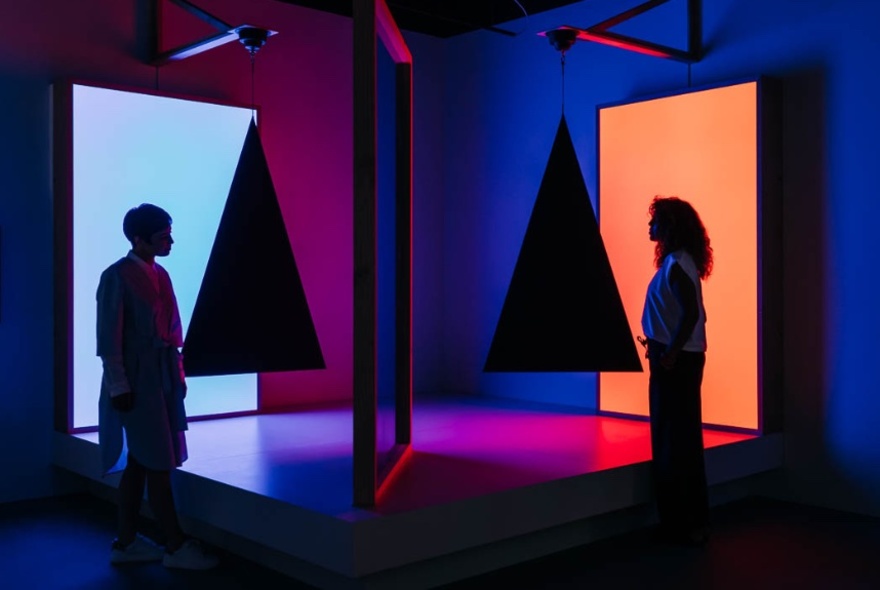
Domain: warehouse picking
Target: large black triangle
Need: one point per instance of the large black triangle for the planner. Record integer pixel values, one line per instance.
(563, 311)
(251, 315)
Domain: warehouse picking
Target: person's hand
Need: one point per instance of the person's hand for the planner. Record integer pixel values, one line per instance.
(123, 402)
(668, 358)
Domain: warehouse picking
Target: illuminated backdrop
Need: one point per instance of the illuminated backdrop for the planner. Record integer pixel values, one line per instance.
(130, 148)
(702, 147)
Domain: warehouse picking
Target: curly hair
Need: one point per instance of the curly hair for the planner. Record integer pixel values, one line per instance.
(684, 231)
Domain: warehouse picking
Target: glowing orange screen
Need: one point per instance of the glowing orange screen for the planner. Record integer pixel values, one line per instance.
(701, 147)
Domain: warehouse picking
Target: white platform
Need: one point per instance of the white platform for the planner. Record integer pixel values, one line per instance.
(489, 484)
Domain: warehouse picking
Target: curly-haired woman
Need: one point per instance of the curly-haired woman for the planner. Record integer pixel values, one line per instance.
(674, 323)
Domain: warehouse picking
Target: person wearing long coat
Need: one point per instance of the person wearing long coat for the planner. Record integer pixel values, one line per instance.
(139, 332)
(141, 413)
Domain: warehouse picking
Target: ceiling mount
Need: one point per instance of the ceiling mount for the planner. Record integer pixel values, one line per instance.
(599, 33)
(252, 37)
(562, 39)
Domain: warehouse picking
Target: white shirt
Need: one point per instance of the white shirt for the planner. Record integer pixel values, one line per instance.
(663, 313)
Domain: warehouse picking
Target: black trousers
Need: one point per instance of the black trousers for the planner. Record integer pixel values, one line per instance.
(678, 466)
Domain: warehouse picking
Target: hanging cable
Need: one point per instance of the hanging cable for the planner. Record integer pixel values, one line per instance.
(253, 38)
(526, 14)
(562, 62)
(562, 39)
(253, 107)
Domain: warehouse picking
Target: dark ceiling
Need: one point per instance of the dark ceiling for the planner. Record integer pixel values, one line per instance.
(446, 18)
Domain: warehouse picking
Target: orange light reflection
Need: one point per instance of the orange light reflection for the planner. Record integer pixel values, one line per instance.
(702, 147)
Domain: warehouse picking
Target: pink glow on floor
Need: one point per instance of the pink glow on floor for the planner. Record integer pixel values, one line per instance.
(462, 448)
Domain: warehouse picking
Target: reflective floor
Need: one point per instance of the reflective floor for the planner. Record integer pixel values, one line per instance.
(463, 447)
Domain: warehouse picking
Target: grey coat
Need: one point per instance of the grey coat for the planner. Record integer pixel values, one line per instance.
(141, 326)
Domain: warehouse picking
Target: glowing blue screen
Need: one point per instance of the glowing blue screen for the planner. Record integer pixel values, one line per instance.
(130, 148)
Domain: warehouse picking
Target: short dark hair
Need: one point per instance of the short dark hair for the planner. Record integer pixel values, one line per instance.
(143, 221)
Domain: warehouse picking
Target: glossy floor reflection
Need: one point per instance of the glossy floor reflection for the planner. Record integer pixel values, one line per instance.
(463, 447)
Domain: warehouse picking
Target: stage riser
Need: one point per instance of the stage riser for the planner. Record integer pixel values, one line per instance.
(441, 542)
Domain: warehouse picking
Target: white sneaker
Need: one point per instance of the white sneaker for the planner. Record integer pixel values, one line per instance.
(140, 550)
(190, 556)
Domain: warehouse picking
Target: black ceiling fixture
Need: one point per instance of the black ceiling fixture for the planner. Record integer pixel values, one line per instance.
(561, 39)
(447, 18)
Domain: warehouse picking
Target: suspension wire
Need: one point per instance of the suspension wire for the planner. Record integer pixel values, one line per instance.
(562, 62)
(253, 108)
(526, 14)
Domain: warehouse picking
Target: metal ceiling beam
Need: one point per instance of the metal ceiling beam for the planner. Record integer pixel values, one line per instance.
(599, 33)
(225, 34)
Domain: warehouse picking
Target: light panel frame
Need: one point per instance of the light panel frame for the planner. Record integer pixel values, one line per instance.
(70, 348)
(730, 169)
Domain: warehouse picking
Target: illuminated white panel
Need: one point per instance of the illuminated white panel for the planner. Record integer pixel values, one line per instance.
(130, 148)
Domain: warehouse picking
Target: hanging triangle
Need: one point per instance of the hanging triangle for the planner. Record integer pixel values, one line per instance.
(563, 311)
(251, 314)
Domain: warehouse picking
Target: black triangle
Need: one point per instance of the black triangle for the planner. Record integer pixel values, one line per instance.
(251, 315)
(563, 311)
